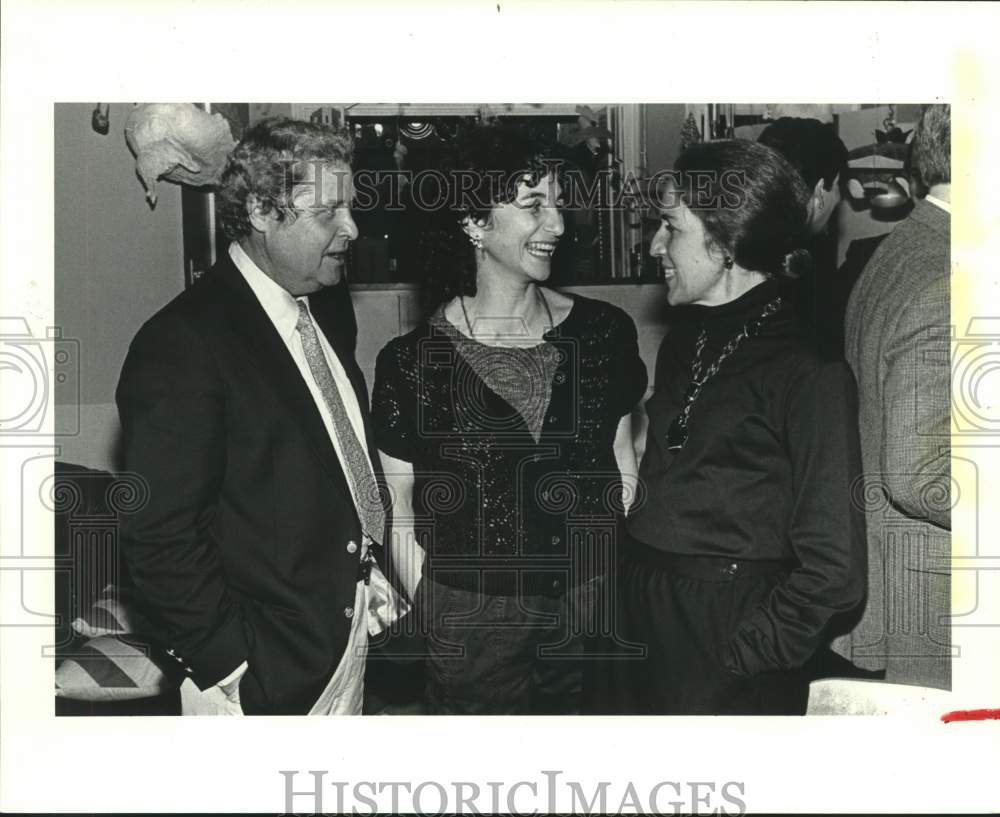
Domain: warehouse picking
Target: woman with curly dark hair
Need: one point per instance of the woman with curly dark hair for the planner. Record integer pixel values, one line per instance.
(748, 551)
(504, 426)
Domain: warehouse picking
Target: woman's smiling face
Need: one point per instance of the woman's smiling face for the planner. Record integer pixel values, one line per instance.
(523, 234)
(693, 265)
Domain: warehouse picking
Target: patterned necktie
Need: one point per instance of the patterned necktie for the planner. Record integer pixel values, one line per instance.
(359, 471)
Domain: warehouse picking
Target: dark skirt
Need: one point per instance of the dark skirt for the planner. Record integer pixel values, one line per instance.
(672, 619)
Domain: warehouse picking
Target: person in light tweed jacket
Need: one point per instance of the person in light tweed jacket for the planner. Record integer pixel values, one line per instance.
(897, 342)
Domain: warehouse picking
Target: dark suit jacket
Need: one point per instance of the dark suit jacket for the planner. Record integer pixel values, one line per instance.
(244, 550)
(897, 341)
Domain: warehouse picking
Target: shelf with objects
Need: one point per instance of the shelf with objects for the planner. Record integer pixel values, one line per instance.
(607, 233)
(604, 235)
(398, 150)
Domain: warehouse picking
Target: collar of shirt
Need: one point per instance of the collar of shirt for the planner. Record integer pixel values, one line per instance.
(282, 310)
(281, 307)
(938, 202)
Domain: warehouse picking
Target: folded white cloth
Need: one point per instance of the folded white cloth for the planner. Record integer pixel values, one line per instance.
(849, 696)
(345, 692)
(382, 605)
(385, 605)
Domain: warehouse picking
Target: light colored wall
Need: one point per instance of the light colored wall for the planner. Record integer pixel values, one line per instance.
(116, 263)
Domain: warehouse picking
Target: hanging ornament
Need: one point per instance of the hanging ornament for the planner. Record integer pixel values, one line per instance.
(417, 130)
(690, 132)
(177, 142)
(100, 119)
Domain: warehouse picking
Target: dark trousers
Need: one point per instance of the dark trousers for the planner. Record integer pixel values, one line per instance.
(674, 617)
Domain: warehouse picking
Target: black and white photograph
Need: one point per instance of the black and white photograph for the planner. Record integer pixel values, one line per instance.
(660, 422)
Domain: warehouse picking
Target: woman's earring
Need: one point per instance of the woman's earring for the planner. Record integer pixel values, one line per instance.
(477, 241)
(727, 262)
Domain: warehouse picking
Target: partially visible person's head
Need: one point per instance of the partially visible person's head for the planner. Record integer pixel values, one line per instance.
(814, 149)
(932, 146)
(917, 188)
(285, 196)
(732, 211)
(505, 186)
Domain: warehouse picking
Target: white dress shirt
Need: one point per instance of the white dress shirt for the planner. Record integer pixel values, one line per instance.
(283, 311)
(941, 203)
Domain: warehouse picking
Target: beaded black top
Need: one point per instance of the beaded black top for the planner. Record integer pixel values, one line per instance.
(505, 504)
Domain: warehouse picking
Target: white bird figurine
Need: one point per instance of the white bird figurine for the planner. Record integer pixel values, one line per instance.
(178, 142)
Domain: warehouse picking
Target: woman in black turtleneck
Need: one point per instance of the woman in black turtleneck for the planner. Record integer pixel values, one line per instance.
(748, 550)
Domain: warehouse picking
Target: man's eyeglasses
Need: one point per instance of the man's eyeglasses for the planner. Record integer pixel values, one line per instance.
(320, 210)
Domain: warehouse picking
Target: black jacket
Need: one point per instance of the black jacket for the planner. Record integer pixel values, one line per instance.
(243, 551)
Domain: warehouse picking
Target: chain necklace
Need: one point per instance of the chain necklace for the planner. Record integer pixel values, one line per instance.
(677, 434)
(538, 292)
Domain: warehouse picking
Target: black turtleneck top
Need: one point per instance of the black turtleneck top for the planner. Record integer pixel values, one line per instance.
(767, 472)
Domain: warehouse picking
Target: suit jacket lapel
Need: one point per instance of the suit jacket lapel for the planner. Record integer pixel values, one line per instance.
(270, 355)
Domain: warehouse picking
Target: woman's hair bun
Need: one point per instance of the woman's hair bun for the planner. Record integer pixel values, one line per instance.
(797, 264)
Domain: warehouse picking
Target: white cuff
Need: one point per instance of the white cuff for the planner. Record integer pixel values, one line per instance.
(236, 673)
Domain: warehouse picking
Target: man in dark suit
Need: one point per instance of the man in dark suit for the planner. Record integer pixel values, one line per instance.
(897, 341)
(242, 406)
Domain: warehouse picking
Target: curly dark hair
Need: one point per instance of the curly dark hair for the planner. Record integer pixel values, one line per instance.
(259, 166)
(485, 166)
(752, 202)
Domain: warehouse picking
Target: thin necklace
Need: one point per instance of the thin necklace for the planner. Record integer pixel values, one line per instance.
(538, 292)
(677, 434)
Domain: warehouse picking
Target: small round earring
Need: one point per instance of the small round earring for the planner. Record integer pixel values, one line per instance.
(727, 262)
(477, 241)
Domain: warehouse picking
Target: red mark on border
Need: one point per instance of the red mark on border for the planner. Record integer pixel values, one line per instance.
(971, 715)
